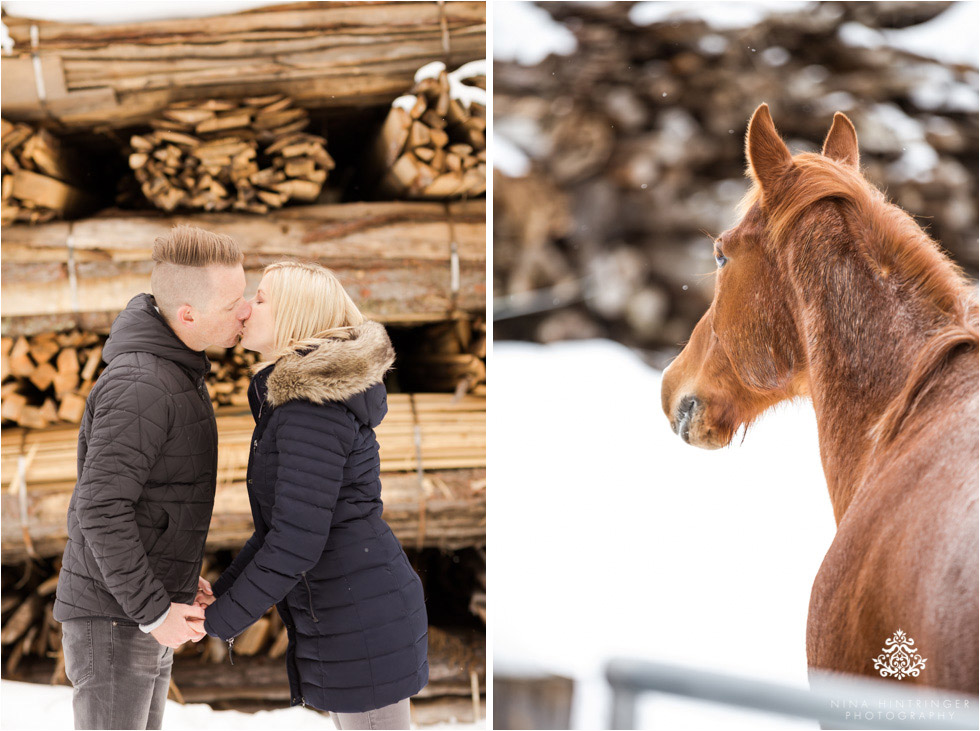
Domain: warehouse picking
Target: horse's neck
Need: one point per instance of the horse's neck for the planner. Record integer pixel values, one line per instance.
(861, 334)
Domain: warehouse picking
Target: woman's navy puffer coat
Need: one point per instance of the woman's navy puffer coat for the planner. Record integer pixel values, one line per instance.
(352, 604)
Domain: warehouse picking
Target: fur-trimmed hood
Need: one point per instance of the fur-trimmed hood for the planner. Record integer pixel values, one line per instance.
(335, 370)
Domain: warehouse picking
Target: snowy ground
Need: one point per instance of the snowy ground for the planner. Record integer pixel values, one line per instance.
(611, 537)
(32, 706)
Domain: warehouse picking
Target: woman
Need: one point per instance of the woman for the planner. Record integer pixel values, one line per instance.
(352, 604)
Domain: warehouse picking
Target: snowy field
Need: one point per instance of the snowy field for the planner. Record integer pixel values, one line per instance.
(624, 541)
(32, 706)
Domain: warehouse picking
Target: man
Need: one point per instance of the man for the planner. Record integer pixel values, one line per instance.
(129, 590)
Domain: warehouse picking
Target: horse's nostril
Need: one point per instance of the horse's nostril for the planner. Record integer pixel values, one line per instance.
(685, 411)
(687, 405)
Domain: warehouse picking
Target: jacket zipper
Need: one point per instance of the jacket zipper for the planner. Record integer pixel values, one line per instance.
(202, 389)
(231, 641)
(309, 593)
(255, 443)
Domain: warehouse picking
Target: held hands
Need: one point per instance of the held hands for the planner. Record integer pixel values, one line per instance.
(205, 595)
(182, 623)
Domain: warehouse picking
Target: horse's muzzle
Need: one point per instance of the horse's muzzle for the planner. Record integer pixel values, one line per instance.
(689, 423)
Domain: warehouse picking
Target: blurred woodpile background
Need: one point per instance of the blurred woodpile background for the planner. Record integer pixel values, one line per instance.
(265, 125)
(635, 144)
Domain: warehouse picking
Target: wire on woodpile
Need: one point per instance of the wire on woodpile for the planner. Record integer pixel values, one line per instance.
(72, 269)
(444, 27)
(42, 96)
(453, 256)
(19, 485)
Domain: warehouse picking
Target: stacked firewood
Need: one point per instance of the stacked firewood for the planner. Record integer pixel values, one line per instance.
(634, 155)
(40, 181)
(396, 258)
(449, 432)
(29, 626)
(433, 142)
(230, 376)
(31, 642)
(442, 508)
(323, 54)
(248, 155)
(47, 378)
(447, 356)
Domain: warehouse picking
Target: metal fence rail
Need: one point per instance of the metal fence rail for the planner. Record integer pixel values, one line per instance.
(834, 700)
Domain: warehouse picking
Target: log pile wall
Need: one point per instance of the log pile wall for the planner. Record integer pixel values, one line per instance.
(635, 142)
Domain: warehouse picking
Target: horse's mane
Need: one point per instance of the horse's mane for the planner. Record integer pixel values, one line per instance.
(897, 247)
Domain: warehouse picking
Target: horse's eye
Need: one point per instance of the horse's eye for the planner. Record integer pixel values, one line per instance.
(721, 259)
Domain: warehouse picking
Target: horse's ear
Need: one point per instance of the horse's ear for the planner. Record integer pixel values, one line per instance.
(767, 154)
(842, 141)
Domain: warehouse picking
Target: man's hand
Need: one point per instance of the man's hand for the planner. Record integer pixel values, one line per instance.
(182, 623)
(205, 595)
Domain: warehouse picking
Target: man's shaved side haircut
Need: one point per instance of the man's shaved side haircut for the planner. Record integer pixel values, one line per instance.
(180, 271)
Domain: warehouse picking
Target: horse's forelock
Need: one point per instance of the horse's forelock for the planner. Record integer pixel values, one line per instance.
(752, 196)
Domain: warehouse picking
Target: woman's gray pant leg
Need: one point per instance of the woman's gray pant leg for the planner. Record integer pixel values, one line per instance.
(395, 716)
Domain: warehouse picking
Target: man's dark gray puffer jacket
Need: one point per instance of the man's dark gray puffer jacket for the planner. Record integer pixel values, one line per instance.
(147, 459)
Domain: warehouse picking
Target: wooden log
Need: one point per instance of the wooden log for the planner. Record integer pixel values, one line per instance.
(31, 418)
(72, 408)
(67, 372)
(48, 586)
(49, 411)
(329, 54)
(9, 602)
(252, 639)
(22, 618)
(43, 376)
(6, 345)
(40, 181)
(53, 386)
(410, 153)
(45, 192)
(394, 258)
(43, 348)
(19, 649)
(13, 406)
(279, 645)
(92, 362)
(230, 153)
(447, 511)
(449, 430)
(21, 365)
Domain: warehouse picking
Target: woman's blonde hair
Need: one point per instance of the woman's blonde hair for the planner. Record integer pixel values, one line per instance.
(310, 306)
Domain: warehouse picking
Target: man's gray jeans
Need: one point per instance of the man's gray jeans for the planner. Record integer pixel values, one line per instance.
(121, 675)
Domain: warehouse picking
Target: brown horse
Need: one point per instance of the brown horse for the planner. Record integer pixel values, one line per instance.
(826, 290)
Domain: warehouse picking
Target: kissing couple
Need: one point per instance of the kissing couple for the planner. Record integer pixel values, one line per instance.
(130, 589)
